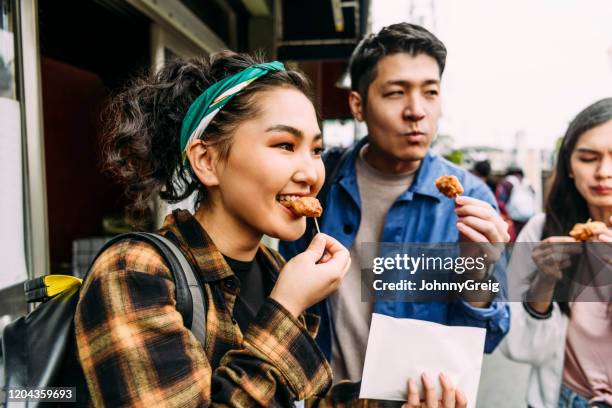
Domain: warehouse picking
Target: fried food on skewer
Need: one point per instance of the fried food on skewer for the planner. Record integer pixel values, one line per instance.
(588, 231)
(304, 206)
(449, 186)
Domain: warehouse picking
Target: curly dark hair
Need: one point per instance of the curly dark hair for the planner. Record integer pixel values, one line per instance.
(142, 138)
(394, 39)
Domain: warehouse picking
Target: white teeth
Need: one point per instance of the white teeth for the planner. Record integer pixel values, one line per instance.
(286, 197)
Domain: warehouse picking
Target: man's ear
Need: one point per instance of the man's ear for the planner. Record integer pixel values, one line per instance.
(356, 105)
(203, 160)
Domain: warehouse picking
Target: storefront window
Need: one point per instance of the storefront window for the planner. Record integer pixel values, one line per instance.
(12, 238)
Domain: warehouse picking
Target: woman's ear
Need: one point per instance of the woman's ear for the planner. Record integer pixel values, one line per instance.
(356, 105)
(203, 160)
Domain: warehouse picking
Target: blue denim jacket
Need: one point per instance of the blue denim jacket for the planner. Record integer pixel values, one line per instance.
(420, 215)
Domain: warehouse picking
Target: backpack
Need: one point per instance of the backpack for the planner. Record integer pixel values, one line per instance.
(521, 203)
(39, 349)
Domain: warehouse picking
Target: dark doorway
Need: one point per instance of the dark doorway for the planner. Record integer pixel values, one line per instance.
(89, 49)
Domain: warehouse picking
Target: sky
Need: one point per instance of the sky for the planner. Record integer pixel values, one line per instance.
(514, 65)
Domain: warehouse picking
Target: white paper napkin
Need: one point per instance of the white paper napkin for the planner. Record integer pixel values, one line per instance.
(399, 349)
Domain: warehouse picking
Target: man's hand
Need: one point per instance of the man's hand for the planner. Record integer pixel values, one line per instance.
(478, 221)
(451, 397)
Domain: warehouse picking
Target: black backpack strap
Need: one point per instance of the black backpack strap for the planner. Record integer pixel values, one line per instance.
(190, 297)
(196, 292)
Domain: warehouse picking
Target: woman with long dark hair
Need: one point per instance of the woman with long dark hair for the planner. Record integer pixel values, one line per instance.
(567, 341)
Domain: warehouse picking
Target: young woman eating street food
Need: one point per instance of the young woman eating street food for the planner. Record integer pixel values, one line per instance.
(568, 343)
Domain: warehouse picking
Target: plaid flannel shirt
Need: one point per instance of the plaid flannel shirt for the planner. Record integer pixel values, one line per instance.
(135, 351)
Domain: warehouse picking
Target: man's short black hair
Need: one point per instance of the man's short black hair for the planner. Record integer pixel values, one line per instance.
(396, 38)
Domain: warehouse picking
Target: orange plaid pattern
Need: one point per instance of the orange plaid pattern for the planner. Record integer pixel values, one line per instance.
(135, 351)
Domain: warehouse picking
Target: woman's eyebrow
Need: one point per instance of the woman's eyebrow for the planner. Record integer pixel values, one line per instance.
(586, 150)
(284, 128)
(290, 129)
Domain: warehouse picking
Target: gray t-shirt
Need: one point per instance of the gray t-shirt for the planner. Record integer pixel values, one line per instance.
(351, 315)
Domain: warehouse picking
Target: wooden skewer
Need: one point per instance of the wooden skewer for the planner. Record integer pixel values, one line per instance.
(318, 231)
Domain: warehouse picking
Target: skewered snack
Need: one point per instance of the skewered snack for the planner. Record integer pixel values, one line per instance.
(588, 231)
(449, 186)
(304, 206)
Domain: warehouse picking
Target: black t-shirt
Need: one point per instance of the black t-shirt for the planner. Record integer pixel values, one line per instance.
(255, 285)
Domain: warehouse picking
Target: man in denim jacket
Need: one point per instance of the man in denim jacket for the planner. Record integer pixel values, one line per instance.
(383, 190)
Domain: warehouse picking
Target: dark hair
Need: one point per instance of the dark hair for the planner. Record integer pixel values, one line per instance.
(396, 38)
(565, 206)
(142, 145)
(514, 170)
(483, 168)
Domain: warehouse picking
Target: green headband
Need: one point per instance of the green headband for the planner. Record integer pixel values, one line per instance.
(206, 106)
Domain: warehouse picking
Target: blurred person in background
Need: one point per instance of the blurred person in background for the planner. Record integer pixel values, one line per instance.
(569, 345)
(516, 198)
(482, 170)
